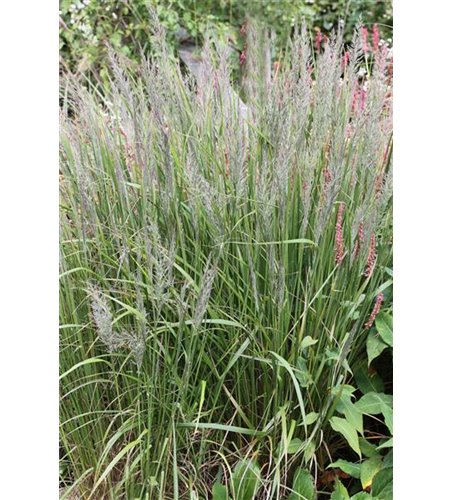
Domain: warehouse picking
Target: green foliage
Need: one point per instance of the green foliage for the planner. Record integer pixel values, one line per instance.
(368, 470)
(246, 480)
(219, 492)
(354, 470)
(303, 486)
(383, 322)
(375, 346)
(345, 428)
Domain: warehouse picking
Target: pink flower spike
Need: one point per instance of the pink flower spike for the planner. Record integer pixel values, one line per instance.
(375, 38)
(243, 58)
(372, 257)
(375, 311)
(365, 45)
(344, 61)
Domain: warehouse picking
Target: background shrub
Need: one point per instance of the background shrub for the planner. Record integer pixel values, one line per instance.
(88, 24)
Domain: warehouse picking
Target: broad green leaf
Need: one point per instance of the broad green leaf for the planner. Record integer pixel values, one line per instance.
(372, 403)
(362, 495)
(246, 479)
(383, 322)
(368, 450)
(386, 444)
(348, 431)
(388, 415)
(368, 382)
(368, 470)
(350, 468)
(303, 486)
(352, 414)
(375, 346)
(294, 446)
(382, 485)
(345, 406)
(219, 492)
(302, 373)
(388, 460)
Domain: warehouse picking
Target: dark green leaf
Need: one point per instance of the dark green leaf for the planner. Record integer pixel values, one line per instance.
(382, 485)
(383, 322)
(368, 382)
(350, 468)
(375, 346)
(368, 450)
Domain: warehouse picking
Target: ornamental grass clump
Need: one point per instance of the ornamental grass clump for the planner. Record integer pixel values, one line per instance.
(220, 261)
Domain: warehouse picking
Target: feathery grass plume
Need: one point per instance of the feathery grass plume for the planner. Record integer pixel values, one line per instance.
(339, 239)
(205, 289)
(137, 345)
(103, 319)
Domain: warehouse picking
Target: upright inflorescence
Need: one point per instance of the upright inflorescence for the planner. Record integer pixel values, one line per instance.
(375, 38)
(375, 310)
(339, 239)
(372, 257)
